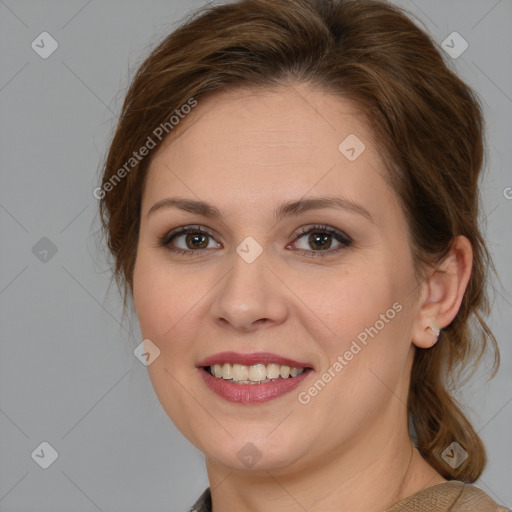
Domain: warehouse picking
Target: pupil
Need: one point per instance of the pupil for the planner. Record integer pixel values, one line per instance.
(320, 239)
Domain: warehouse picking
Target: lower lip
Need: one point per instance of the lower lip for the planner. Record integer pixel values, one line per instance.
(252, 393)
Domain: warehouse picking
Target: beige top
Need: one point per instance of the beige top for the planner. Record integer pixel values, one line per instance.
(452, 496)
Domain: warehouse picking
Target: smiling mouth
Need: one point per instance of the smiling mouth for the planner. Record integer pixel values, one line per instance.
(253, 374)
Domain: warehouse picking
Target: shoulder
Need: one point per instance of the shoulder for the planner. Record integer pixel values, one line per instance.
(472, 498)
(452, 496)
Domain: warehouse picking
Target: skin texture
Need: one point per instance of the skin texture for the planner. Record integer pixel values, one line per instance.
(246, 153)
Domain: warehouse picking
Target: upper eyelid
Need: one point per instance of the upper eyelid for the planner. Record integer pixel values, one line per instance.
(298, 231)
(321, 227)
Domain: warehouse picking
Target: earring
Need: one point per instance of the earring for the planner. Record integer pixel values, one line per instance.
(435, 330)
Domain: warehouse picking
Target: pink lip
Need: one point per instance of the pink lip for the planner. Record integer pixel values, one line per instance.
(252, 393)
(251, 359)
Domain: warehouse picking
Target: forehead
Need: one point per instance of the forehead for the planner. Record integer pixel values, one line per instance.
(284, 120)
(284, 142)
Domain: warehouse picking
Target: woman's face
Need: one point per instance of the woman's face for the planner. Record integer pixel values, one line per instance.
(271, 277)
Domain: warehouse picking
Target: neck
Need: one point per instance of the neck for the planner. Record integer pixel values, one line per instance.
(363, 477)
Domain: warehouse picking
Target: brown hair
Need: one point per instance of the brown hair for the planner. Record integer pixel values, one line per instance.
(427, 122)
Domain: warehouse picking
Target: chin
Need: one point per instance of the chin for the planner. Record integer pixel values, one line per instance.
(240, 453)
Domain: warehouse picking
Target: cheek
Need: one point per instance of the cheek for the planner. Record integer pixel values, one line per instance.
(167, 301)
(146, 297)
(353, 300)
(158, 299)
(368, 316)
(162, 303)
(366, 356)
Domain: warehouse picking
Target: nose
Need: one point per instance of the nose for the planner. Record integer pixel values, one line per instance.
(250, 297)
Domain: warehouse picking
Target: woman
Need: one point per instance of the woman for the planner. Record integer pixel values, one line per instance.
(291, 200)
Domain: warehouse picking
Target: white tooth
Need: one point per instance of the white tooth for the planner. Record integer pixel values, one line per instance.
(272, 371)
(240, 372)
(257, 372)
(284, 371)
(226, 371)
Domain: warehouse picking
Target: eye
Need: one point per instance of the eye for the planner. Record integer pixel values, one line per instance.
(188, 240)
(318, 240)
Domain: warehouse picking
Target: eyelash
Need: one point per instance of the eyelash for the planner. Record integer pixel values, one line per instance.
(339, 236)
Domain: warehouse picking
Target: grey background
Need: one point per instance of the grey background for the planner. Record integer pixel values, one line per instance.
(68, 375)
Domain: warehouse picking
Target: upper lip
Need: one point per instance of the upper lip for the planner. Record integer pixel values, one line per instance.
(251, 359)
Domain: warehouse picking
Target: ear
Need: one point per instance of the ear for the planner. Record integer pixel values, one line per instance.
(442, 293)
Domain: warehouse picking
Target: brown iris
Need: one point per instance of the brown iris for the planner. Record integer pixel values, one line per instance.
(320, 240)
(194, 238)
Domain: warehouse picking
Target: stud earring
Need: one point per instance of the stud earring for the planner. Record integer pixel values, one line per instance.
(435, 330)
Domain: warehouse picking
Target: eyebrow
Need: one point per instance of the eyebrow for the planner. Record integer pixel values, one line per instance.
(285, 210)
